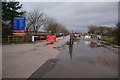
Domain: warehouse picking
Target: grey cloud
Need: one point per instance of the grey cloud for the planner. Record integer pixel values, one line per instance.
(77, 16)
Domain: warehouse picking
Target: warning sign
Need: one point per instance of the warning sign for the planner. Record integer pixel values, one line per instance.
(51, 38)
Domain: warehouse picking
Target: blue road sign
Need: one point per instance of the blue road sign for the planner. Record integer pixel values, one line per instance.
(19, 23)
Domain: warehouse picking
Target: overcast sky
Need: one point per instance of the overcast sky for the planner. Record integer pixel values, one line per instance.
(77, 16)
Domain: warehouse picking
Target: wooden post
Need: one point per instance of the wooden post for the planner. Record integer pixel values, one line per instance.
(71, 39)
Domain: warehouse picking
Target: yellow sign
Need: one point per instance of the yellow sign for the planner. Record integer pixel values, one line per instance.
(18, 33)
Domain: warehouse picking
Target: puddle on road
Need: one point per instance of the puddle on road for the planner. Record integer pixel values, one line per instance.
(84, 59)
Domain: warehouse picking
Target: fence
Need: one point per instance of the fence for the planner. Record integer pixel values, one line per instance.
(8, 39)
(38, 36)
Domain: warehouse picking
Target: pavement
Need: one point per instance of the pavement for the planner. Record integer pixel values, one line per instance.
(21, 60)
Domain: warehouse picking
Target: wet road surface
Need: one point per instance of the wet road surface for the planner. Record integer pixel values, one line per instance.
(84, 59)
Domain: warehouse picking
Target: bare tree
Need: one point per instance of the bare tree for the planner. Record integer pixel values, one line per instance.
(53, 26)
(34, 20)
(92, 29)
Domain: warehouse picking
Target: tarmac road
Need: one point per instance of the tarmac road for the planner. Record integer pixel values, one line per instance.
(84, 59)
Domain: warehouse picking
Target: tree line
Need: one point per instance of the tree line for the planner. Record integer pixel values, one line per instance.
(35, 19)
(106, 31)
(101, 30)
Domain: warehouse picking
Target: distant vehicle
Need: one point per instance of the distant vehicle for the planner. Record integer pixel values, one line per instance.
(87, 36)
